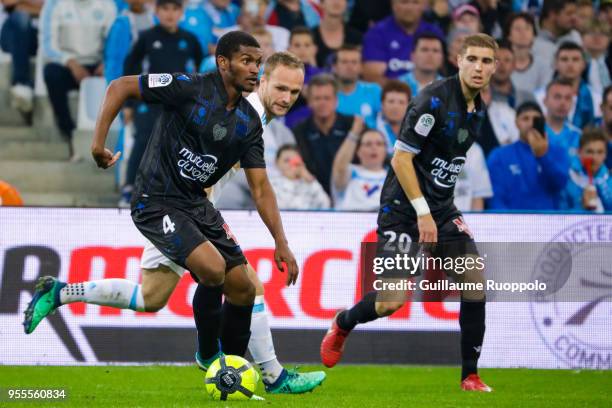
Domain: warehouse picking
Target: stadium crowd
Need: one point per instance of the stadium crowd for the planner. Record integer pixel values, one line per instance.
(544, 144)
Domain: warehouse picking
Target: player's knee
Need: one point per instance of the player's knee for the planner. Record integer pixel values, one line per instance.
(387, 308)
(246, 296)
(252, 274)
(259, 288)
(212, 273)
(242, 295)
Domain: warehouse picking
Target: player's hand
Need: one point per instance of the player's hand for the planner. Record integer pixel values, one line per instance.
(104, 158)
(282, 253)
(537, 142)
(428, 232)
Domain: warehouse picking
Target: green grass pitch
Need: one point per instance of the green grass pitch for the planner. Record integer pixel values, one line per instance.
(346, 386)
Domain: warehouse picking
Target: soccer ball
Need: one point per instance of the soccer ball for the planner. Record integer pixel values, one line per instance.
(231, 378)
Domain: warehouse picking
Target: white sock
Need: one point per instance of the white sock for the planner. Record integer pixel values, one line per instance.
(119, 293)
(261, 346)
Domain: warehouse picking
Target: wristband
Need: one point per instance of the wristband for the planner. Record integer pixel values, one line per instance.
(420, 206)
(352, 137)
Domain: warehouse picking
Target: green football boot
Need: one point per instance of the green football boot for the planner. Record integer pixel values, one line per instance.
(204, 364)
(292, 382)
(44, 302)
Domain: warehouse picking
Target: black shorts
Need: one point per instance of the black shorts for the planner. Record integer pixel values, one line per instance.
(176, 231)
(399, 234)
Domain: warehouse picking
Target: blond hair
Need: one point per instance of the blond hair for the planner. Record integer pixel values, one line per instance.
(284, 58)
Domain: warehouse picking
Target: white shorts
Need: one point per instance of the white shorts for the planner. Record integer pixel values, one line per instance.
(151, 259)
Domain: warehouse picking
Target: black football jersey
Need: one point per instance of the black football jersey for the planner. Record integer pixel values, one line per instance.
(196, 140)
(439, 130)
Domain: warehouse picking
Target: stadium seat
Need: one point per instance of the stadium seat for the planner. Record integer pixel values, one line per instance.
(90, 99)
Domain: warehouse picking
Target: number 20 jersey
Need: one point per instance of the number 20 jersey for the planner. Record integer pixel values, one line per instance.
(439, 130)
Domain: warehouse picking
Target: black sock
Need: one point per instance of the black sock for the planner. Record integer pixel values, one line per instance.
(472, 323)
(236, 328)
(207, 316)
(362, 312)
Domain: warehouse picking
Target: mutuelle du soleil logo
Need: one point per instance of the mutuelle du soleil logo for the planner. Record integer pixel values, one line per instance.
(445, 173)
(571, 317)
(196, 167)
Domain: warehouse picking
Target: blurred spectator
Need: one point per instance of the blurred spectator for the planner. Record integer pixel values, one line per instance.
(502, 87)
(454, 41)
(468, 17)
(357, 187)
(589, 187)
(355, 97)
(301, 43)
(558, 102)
(366, 13)
(387, 45)
(605, 15)
(492, 15)
(123, 35)
(9, 196)
(251, 19)
(596, 40)
(295, 187)
(395, 98)
(121, 5)
(606, 122)
(19, 39)
(439, 13)
(570, 64)
(292, 13)
(266, 42)
(332, 32)
(72, 38)
(529, 73)
(557, 23)
(165, 48)
(319, 136)
(473, 184)
(499, 126)
(530, 6)
(427, 57)
(221, 15)
(530, 173)
(585, 13)
(196, 21)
